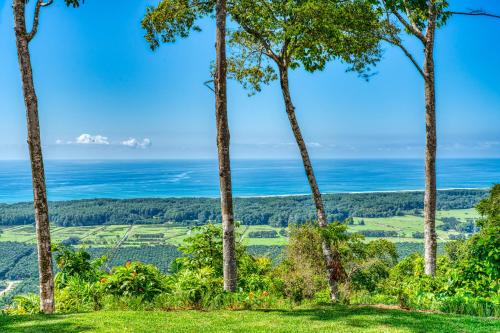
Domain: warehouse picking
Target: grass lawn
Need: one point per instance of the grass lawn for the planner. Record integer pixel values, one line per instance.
(336, 319)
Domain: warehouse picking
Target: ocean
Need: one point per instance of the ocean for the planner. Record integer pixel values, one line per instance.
(69, 180)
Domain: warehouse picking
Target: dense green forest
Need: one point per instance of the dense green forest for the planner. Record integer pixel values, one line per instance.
(275, 211)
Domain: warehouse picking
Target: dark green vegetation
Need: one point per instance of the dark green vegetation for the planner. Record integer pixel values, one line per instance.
(11, 254)
(190, 276)
(274, 211)
(156, 242)
(24, 268)
(338, 318)
(467, 279)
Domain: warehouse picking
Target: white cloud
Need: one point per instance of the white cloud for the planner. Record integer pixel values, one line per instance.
(314, 144)
(134, 143)
(92, 139)
(59, 142)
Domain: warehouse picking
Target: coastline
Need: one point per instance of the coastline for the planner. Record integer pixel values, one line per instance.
(484, 189)
(365, 192)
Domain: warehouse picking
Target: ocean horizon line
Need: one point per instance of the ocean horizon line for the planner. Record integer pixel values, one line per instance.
(369, 158)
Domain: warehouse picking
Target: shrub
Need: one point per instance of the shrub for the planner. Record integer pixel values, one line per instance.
(203, 253)
(362, 265)
(194, 287)
(478, 271)
(134, 279)
(78, 295)
(76, 263)
(412, 288)
(24, 304)
(303, 271)
(473, 306)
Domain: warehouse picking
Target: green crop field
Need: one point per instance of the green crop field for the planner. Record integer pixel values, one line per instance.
(407, 224)
(169, 234)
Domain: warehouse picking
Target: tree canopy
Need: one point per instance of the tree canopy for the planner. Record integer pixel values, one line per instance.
(291, 33)
(295, 34)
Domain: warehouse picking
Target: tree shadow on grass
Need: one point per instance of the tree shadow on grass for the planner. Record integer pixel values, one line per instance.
(364, 317)
(39, 324)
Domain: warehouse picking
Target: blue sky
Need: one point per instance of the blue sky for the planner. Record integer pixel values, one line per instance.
(104, 94)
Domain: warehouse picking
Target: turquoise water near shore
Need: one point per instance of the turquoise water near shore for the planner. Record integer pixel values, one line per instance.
(68, 180)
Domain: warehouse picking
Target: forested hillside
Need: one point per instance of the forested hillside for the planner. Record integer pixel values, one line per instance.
(275, 211)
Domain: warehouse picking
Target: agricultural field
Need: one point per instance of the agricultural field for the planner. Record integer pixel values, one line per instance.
(397, 228)
(406, 225)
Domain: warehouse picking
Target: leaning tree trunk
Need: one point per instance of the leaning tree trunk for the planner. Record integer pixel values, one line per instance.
(332, 261)
(430, 245)
(37, 169)
(226, 197)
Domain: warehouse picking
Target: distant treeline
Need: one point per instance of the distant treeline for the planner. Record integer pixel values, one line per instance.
(275, 211)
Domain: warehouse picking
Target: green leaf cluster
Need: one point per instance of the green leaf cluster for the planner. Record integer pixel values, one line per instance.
(274, 35)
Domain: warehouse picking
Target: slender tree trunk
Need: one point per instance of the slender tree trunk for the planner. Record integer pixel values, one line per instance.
(332, 261)
(37, 169)
(430, 245)
(226, 196)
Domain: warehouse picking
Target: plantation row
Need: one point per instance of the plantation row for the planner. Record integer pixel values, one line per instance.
(274, 211)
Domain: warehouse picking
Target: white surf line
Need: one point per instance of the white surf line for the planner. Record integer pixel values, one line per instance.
(275, 195)
(361, 192)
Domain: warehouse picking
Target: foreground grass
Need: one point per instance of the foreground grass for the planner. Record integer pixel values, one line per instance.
(336, 319)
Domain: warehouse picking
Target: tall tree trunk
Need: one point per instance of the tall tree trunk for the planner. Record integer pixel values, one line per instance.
(226, 196)
(332, 261)
(430, 245)
(37, 169)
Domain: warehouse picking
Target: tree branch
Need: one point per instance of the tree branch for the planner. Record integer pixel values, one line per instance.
(34, 28)
(407, 53)
(207, 84)
(476, 13)
(408, 14)
(409, 26)
(413, 29)
(269, 51)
